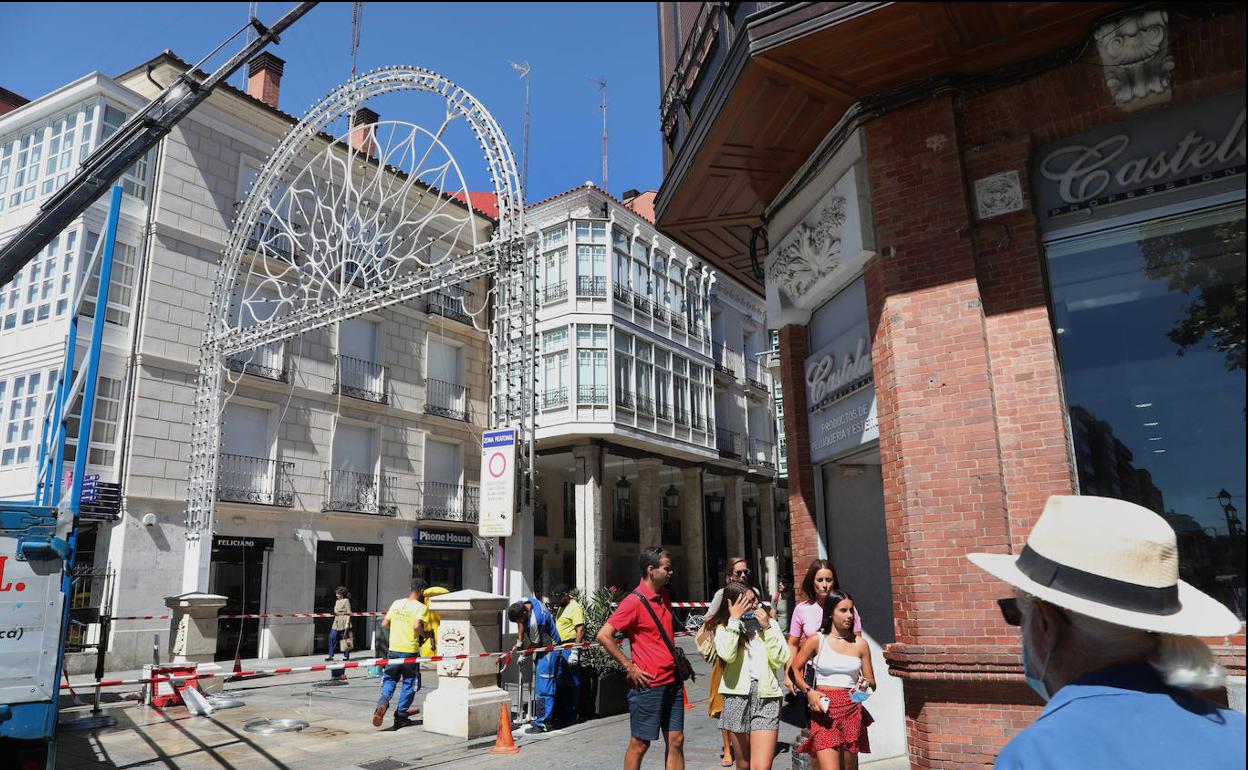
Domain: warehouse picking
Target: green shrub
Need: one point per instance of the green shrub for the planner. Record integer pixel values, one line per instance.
(598, 608)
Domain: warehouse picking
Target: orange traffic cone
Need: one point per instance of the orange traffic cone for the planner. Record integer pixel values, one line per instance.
(684, 693)
(504, 743)
(238, 667)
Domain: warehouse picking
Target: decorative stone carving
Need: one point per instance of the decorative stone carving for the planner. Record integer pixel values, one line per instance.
(998, 194)
(1135, 51)
(812, 250)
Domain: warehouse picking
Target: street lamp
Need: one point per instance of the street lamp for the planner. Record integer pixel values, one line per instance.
(671, 498)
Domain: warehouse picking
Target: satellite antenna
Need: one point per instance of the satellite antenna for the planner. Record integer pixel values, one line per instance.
(524, 70)
(602, 87)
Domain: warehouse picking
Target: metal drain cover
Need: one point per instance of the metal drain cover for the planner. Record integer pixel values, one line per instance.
(384, 764)
(271, 726)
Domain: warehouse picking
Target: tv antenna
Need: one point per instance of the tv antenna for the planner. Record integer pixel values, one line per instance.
(524, 70)
(602, 88)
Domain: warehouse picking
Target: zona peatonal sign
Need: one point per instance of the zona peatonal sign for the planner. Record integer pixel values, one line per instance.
(498, 483)
(1170, 151)
(840, 384)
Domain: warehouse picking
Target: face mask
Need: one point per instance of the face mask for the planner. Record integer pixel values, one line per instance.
(1035, 679)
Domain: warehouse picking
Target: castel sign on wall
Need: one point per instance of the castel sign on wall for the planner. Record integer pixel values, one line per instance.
(840, 385)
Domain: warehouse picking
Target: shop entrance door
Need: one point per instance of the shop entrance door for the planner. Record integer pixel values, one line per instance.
(354, 565)
(238, 572)
(440, 567)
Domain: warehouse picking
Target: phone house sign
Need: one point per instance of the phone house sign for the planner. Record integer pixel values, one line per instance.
(840, 384)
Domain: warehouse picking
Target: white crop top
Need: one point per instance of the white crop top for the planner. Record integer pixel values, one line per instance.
(832, 669)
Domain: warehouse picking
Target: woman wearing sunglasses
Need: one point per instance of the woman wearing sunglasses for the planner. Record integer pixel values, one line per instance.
(738, 572)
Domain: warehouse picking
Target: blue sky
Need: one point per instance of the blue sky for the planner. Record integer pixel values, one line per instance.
(45, 45)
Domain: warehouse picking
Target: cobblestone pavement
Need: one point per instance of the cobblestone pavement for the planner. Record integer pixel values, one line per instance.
(340, 735)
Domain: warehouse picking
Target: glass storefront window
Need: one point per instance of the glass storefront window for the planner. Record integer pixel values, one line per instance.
(1150, 327)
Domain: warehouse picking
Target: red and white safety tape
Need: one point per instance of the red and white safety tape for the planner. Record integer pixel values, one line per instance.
(505, 657)
(266, 615)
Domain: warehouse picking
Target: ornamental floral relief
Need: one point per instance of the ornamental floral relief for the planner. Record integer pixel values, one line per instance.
(1135, 51)
(810, 252)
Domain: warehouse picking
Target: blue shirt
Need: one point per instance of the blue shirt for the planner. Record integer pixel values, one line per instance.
(541, 619)
(1127, 717)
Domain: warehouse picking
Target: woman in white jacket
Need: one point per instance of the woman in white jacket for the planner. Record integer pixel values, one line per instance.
(754, 651)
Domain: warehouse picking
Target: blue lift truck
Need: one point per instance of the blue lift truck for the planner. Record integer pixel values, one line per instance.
(38, 537)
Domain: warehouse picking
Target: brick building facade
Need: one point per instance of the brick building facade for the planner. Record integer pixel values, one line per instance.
(933, 179)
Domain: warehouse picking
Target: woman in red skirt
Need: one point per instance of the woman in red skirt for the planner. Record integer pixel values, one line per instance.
(843, 679)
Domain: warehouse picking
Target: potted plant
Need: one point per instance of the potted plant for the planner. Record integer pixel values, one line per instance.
(604, 688)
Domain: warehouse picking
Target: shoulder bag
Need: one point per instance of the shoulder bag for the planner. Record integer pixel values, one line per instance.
(684, 669)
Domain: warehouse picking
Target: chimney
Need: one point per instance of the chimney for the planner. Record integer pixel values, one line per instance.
(364, 139)
(10, 101)
(264, 78)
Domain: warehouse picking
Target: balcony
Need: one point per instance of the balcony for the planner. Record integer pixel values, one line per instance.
(275, 239)
(591, 394)
(728, 443)
(678, 321)
(757, 377)
(445, 501)
(257, 480)
(645, 406)
(556, 398)
(727, 361)
(642, 303)
(446, 399)
(362, 379)
(267, 361)
(681, 416)
(762, 454)
(622, 294)
(698, 423)
(591, 286)
(555, 292)
(624, 400)
(352, 492)
(449, 303)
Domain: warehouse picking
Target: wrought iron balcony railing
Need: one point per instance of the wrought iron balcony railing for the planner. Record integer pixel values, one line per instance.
(268, 361)
(624, 400)
(591, 286)
(726, 360)
(622, 293)
(641, 302)
(243, 479)
(362, 379)
(662, 411)
(275, 239)
(757, 376)
(678, 321)
(448, 502)
(728, 443)
(591, 394)
(554, 398)
(698, 423)
(762, 454)
(555, 292)
(645, 405)
(446, 399)
(681, 416)
(359, 493)
(449, 303)
(660, 313)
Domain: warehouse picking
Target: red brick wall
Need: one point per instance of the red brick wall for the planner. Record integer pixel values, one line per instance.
(803, 532)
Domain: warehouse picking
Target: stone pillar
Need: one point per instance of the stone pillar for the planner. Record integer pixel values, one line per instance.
(648, 503)
(590, 559)
(466, 703)
(770, 579)
(734, 517)
(691, 532)
(193, 633)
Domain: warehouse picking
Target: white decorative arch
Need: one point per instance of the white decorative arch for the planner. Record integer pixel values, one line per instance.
(332, 234)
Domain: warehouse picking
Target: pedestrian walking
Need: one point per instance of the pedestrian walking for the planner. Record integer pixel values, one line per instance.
(738, 573)
(752, 647)
(340, 636)
(654, 702)
(1110, 642)
(570, 622)
(843, 679)
(535, 627)
(404, 622)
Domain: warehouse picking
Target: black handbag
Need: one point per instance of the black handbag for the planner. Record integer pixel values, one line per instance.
(684, 669)
(794, 710)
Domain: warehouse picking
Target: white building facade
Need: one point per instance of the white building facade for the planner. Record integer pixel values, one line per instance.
(348, 455)
(655, 423)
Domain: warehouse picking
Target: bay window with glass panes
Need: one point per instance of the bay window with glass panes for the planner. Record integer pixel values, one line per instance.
(555, 275)
(591, 364)
(1150, 325)
(591, 258)
(554, 384)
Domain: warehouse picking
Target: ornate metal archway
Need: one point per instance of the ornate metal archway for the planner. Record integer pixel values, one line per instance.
(330, 234)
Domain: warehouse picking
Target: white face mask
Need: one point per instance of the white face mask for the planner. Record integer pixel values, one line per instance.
(1035, 678)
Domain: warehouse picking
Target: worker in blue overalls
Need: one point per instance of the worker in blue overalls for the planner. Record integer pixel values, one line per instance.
(535, 627)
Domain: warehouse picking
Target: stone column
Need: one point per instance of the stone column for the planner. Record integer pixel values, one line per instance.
(648, 503)
(587, 464)
(466, 703)
(734, 517)
(771, 549)
(193, 633)
(691, 532)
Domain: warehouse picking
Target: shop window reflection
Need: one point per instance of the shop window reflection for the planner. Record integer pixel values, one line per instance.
(1150, 321)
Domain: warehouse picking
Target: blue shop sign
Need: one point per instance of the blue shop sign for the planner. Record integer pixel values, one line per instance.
(442, 538)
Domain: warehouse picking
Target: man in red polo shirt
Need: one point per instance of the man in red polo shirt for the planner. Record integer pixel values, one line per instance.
(654, 703)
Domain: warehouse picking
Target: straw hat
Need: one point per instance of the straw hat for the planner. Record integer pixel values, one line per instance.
(1112, 560)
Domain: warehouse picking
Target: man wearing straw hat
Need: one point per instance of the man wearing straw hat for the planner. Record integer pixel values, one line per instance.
(1110, 642)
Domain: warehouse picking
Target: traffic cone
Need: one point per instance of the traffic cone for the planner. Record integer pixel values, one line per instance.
(504, 743)
(238, 667)
(684, 693)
